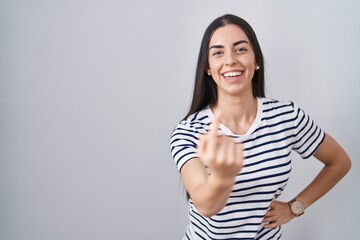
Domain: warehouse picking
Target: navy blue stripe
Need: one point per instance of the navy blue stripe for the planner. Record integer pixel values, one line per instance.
(231, 219)
(275, 124)
(277, 115)
(271, 101)
(242, 210)
(268, 168)
(199, 123)
(301, 131)
(309, 138)
(260, 185)
(267, 160)
(178, 129)
(306, 135)
(181, 149)
(259, 237)
(260, 231)
(268, 151)
(272, 236)
(185, 145)
(187, 236)
(208, 237)
(203, 118)
(312, 144)
(222, 227)
(215, 233)
(269, 134)
(194, 117)
(223, 238)
(277, 107)
(278, 123)
(186, 140)
(269, 142)
(316, 148)
(250, 201)
(302, 118)
(185, 134)
(264, 177)
(237, 219)
(300, 122)
(177, 162)
(181, 139)
(199, 235)
(254, 193)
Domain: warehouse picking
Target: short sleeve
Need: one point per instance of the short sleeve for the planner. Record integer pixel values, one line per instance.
(308, 135)
(183, 144)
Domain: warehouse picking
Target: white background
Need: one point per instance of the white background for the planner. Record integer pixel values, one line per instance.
(90, 92)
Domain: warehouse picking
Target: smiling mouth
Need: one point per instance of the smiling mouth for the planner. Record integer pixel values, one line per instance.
(232, 74)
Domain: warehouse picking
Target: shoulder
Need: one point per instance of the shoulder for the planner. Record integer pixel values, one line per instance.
(273, 106)
(184, 138)
(192, 126)
(196, 122)
(271, 103)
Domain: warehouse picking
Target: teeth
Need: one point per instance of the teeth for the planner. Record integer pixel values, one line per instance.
(232, 74)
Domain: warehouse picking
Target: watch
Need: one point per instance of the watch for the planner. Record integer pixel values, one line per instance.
(296, 207)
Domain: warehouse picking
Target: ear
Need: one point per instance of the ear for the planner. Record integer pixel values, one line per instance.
(208, 71)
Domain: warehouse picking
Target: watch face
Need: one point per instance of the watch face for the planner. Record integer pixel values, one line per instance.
(297, 207)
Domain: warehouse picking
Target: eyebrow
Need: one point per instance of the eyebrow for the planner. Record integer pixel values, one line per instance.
(234, 44)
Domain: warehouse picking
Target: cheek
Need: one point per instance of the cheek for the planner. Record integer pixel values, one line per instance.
(214, 65)
(251, 59)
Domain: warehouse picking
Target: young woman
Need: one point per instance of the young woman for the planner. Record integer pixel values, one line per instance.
(233, 147)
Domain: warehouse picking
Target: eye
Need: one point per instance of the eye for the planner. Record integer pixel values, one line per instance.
(241, 49)
(217, 53)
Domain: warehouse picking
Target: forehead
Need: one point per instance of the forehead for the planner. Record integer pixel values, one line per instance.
(228, 35)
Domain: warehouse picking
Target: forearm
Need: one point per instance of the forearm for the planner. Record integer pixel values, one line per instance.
(337, 164)
(324, 181)
(327, 178)
(211, 197)
(224, 159)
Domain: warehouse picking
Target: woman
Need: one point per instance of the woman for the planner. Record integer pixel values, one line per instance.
(233, 147)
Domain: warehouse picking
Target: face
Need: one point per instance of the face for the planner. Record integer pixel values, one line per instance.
(231, 61)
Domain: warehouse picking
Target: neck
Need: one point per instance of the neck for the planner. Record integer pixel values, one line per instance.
(238, 113)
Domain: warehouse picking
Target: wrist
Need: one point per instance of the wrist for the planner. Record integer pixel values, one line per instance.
(297, 207)
(220, 181)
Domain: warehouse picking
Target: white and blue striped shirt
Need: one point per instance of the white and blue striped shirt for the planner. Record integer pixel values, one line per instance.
(279, 127)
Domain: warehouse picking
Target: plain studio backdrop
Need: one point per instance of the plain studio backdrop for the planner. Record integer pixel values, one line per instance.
(90, 92)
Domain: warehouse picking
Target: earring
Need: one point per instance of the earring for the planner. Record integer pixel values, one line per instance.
(257, 67)
(209, 73)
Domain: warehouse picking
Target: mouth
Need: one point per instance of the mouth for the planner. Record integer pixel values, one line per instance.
(232, 74)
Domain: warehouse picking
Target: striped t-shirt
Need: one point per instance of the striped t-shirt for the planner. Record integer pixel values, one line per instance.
(279, 127)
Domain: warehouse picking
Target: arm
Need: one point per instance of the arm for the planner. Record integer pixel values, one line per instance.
(208, 192)
(223, 156)
(336, 165)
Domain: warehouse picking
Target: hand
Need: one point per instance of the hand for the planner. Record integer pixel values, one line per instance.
(220, 153)
(278, 214)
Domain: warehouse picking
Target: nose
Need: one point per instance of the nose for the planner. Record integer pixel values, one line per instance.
(230, 59)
